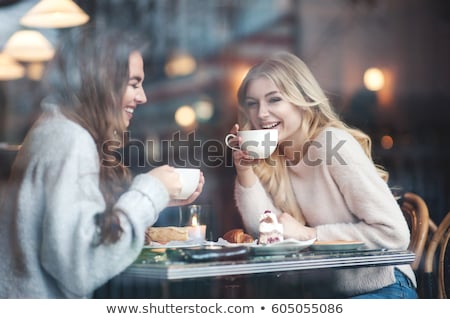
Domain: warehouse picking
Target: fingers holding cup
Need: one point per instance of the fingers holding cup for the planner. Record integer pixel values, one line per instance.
(192, 181)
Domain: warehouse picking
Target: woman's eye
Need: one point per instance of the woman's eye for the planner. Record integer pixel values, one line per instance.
(250, 104)
(275, 99)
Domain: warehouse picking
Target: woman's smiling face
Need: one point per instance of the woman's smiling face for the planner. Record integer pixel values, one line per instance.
(267, 108)
(134, 92)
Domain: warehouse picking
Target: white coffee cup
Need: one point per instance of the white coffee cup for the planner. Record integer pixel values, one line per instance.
(257, 143)
(189, 178)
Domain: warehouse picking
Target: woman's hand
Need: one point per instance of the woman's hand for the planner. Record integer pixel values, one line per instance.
(170, 179)
(193, 197)
(292, 228)
(243, 162)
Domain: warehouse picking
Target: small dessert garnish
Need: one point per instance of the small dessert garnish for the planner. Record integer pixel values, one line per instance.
(270, 231)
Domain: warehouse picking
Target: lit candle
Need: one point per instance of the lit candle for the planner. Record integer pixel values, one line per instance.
(195, 231)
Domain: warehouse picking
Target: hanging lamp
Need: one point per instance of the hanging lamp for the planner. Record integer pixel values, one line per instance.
(54, 14)
(9, 68)
(29, 46)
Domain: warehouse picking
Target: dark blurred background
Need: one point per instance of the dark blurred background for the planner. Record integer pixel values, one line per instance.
(407, 117)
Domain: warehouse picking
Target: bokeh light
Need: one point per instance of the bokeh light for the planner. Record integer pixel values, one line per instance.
(204, 109)
(180, 64)
(185, 116)
(387, 142)
(374, 79)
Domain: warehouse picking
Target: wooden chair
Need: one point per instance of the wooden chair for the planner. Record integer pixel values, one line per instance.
(433, 227)
(441, 261)
(416, 213)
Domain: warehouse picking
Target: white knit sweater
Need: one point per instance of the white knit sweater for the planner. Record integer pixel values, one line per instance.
(344, 198)
(46, 245)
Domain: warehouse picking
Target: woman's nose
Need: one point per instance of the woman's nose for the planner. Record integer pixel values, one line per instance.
(263, 111)
(140, 97)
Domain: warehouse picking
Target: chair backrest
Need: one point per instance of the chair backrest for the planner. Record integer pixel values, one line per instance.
(439, 240)
(416, 213)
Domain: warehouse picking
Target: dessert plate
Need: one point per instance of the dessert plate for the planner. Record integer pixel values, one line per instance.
(223, 242)
(176, 244)
(285, 247)
(337, 245)
(208, 253)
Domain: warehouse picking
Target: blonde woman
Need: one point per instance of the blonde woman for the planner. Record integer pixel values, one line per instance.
(321, 181)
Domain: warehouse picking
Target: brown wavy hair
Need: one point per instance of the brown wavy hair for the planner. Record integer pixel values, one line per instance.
(87, 78)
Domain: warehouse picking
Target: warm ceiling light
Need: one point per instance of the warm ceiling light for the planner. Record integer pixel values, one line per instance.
(180, 64)
(10, 69)
(55, 14)
(35, 70)
(29, 46)
(374, 79)
(185, 116)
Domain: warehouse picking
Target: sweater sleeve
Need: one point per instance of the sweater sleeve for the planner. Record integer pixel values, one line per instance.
(251, 203)
(378, 220)
(73, 198)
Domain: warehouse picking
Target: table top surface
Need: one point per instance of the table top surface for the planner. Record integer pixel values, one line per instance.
(157, 266)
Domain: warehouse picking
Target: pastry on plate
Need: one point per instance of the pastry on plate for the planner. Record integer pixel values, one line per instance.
(237, 236)
(163, 235)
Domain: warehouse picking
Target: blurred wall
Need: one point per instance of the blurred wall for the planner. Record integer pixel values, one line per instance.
(338, 39)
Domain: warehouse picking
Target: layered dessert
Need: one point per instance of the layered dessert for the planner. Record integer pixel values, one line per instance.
(270, 231)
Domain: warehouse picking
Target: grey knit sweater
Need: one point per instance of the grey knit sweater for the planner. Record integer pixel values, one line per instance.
(47, 244)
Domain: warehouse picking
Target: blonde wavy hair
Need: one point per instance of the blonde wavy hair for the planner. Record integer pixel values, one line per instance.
(299, 87)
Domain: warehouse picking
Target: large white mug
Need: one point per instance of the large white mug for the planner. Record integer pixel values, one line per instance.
(257, 143)
(189, 178)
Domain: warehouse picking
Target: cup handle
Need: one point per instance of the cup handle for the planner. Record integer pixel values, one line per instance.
(231, 135)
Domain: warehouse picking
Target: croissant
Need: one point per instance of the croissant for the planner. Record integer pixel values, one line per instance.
(237, 236)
